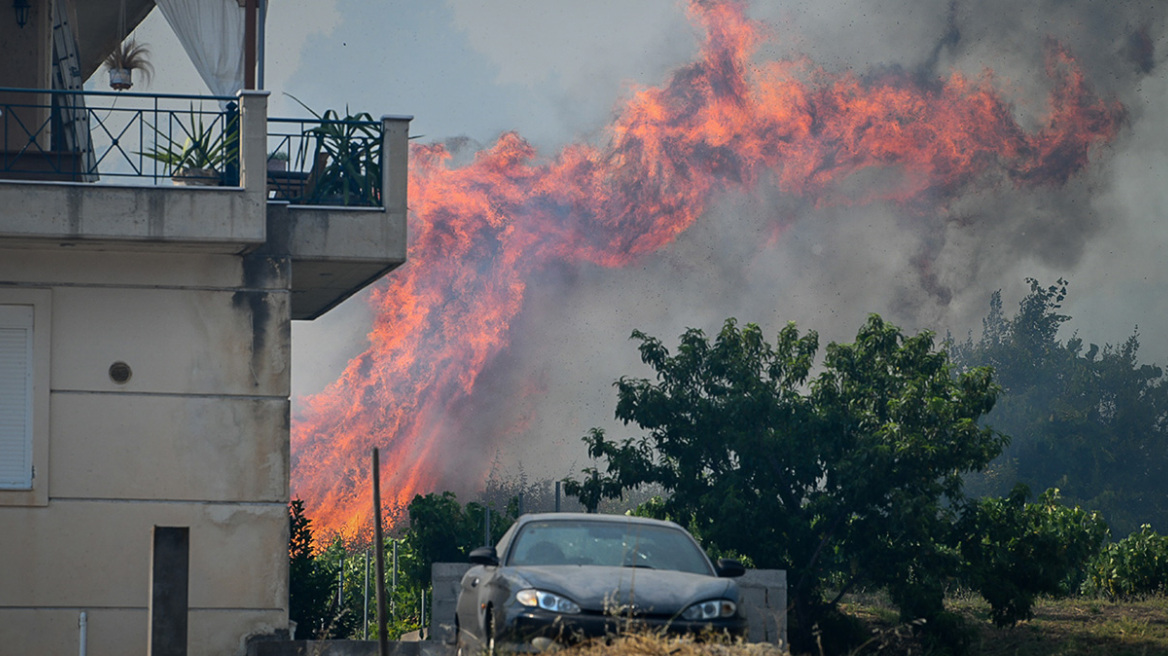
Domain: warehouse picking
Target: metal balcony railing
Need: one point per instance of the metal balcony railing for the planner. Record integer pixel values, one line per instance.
(118, 137)
(173, 139)
(326, 160)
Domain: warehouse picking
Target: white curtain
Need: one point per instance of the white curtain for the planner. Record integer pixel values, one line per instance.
(211, 31)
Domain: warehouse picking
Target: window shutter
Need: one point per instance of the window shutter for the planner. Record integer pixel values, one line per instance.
(16, 326)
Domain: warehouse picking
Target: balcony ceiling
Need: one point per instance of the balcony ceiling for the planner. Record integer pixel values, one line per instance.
(97, 28)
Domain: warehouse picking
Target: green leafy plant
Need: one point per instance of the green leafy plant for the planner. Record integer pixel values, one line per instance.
(1015, 551)
(308, 579)
(1085, 418)
(851, 478)
(1134, 567)
(345, 156)
(202, 152)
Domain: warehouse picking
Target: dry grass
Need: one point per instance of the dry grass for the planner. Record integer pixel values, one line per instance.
(1064, 627)
(1060, 627)
(1081, 627)
(654, 645)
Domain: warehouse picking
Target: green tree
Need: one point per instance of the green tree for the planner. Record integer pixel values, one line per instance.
(1092, 423)
(1134, 567)
(851, 477)
(308, 581)
(327, 587)
(1016, 551)
(442, 530)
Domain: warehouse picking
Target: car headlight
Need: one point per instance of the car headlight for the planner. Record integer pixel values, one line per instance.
(710, 610)
(547, 601)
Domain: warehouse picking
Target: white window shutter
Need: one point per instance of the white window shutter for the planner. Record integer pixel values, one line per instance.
(16, 326)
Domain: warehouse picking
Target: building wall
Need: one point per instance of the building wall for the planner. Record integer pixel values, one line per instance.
(198, 437)
(25, 63)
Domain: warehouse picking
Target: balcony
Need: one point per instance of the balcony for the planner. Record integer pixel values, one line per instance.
(177, 172)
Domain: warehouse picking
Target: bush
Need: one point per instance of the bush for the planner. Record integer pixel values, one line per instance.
(309, 582)
(1136, 566)
(1015, 550)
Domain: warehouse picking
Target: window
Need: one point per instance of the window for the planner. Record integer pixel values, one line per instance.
(25, 328)
(16, 469)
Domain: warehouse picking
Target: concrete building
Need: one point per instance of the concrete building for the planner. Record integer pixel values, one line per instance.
(145, 344)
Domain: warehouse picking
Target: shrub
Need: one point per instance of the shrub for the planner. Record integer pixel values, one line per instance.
(1136, 566)
(1015, 550)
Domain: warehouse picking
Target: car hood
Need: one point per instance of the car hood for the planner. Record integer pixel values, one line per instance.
(605, 589)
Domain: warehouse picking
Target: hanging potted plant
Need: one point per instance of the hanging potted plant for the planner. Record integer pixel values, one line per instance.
(201, 155)
(124, 60)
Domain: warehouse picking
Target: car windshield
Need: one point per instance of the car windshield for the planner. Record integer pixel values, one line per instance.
(614, 544)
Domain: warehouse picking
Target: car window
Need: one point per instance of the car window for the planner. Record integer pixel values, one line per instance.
(613, 544)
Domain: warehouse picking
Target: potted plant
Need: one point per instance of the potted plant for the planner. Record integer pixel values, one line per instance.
(202, 154)
(346, 158)
(278, 161)
(126, 58)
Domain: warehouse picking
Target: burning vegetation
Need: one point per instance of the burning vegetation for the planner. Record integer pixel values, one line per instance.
(724, 123)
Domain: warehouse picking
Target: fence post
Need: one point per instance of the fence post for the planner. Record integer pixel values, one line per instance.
(365, 596)
(382, 639)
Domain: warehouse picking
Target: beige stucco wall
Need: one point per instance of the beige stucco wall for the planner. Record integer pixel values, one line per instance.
(211, 631)
(197, 437)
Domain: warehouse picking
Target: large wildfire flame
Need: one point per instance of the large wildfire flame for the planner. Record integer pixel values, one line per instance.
(724, 122)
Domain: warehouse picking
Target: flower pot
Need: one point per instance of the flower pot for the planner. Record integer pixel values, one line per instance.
(120, 79)
(189, 177)
(278, 165)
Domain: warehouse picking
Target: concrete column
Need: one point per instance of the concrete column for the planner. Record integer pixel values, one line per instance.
(395, 162)
(253, 143)
(169, 578)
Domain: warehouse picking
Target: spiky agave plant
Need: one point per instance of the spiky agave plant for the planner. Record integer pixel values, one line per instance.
(193, 152)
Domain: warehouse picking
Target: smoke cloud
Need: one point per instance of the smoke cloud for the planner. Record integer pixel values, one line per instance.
(827, 268)
(1091, 212)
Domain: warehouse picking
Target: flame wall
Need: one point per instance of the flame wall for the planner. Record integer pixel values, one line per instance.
(734, 132)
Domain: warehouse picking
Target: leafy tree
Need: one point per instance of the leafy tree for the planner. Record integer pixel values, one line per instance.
(309, 584)
(1134, 567)
(1016, 551)
(441, 530)
(1093, 424)
(852, 476)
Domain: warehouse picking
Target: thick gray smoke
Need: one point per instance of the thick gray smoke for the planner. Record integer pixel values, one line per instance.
(826, 269)
(769, 259)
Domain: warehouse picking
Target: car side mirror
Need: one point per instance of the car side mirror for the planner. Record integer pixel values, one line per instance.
(729, 568)
(486, 556)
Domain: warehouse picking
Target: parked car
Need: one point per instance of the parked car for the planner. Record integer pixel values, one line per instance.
(561, 577)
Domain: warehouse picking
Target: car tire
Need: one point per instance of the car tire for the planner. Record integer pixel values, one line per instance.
(489, 632)
(459, 643)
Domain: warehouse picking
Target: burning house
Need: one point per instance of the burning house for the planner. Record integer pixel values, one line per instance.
(145, 311)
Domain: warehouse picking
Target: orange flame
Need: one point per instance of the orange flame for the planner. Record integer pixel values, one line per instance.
(478, 233)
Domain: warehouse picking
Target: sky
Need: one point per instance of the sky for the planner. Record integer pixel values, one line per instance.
(555, 70)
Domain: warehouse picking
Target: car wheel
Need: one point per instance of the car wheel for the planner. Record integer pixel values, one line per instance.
(489, 632)
(459, 644)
